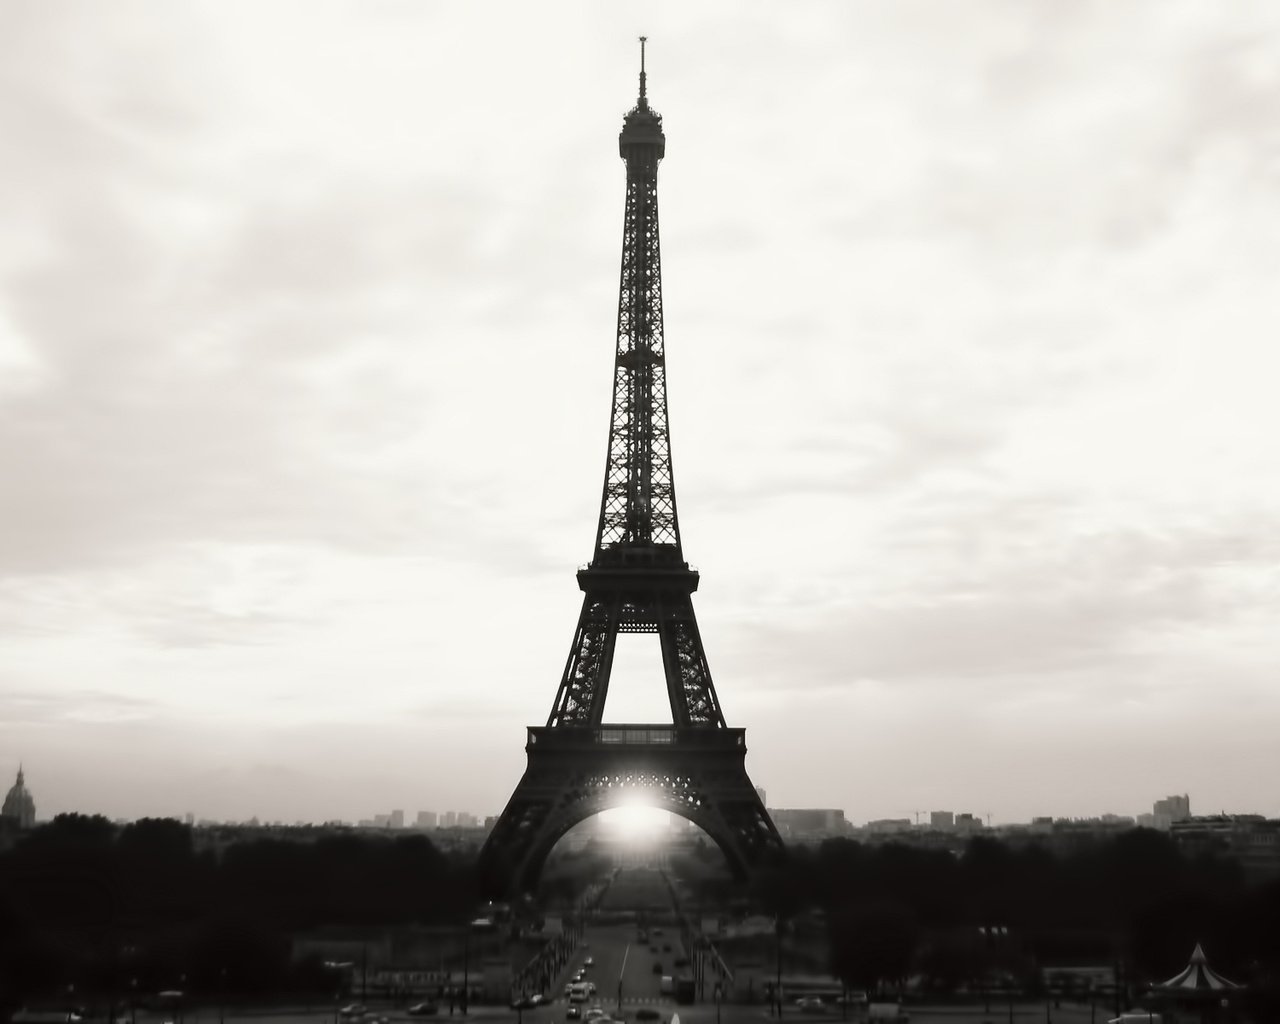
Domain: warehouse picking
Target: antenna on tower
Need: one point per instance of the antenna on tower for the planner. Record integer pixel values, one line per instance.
(643, 40)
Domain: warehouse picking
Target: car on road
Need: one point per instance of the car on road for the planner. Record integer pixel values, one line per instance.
(811, 1003)
(353, 1010)
(657, 967)
(423, 1009)
(589, 961)
(574, 1012)
(528, 1002)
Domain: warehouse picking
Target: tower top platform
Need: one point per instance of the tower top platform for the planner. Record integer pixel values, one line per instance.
(643, 125)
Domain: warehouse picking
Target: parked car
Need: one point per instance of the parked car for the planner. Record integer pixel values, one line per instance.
(423, 1009)
(648, 1013)
(812, 1003)
(574, 1012)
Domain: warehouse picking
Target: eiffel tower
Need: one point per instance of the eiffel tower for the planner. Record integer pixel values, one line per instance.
(637, 582)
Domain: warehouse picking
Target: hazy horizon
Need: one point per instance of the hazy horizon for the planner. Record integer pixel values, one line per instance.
(306, 331)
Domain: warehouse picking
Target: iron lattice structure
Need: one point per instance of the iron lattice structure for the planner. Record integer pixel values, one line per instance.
(637, 582)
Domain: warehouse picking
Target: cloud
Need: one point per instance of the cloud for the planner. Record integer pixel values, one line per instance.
(306, 326)
(25, 707)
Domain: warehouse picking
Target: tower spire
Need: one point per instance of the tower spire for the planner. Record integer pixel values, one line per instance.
(644, 102)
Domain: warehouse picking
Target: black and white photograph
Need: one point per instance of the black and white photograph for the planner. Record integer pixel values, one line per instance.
(357, 660)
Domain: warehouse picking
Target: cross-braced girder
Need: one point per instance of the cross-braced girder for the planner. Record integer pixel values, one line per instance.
(646, 608)
(638, 507)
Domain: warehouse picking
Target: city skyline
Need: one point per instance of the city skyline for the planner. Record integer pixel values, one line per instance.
(306, 322)
(637, 816)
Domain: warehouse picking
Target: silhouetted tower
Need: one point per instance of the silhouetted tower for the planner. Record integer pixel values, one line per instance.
(637, 582)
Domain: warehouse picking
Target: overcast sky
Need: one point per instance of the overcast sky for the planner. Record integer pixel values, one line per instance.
(306, 328)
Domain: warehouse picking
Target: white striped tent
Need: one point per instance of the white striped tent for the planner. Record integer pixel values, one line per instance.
(1196, 978)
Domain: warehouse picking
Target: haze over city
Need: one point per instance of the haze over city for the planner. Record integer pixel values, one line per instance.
(306, 326)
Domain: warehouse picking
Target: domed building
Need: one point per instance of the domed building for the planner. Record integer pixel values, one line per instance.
(19, 807)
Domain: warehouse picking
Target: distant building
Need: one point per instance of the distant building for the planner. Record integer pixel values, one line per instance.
(1251, 839)
(449, 820)
(809, 823)
(1171, 809)
(396, 820)
(19, 806)
(944, 821)
(760, 794)
(883, 826)
(968, 822)
(381, 820)
(426, 819)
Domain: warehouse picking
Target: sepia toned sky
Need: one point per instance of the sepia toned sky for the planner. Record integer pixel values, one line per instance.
(306, 326)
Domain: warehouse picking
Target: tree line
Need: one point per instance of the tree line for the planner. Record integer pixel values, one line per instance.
(995, 914)
(87, 903)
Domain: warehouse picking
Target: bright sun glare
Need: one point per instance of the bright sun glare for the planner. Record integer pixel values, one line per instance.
(635, 820)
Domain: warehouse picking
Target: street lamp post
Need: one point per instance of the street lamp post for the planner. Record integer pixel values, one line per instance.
(777, 988)
(466, 967)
